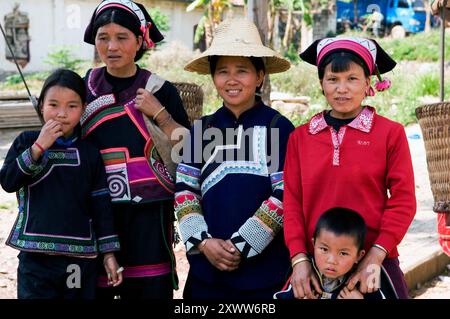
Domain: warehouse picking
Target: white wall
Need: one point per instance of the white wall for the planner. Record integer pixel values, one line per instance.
(62, 22)
(52, 22)
(181, 22)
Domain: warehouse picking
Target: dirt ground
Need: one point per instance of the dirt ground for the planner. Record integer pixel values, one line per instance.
(437, 288)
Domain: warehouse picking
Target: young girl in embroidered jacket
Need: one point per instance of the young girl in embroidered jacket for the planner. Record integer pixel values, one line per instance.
(349, 157)
(121, 97)
(65, 218)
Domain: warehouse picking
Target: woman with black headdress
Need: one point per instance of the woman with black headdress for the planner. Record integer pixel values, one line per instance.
(351, 157)
(122, 100)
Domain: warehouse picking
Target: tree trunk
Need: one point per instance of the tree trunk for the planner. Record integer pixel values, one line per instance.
(305, 38)
(209, 34)
(209, 25)
(271, 13)
(428, 16)
(287, 32)
(261, 10)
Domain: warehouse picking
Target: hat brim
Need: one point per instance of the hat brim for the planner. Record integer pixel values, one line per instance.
(384, 62)
(274, 63)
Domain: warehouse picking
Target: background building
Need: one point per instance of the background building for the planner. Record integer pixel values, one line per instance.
(62, 23)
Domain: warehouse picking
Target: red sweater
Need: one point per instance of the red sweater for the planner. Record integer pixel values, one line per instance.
(357, 169)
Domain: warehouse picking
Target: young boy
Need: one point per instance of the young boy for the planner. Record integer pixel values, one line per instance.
(338, 242)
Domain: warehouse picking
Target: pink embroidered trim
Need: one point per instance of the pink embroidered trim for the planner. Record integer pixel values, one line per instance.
(357, 47)
(364, 120)
(317, 123)
(147, 270)
(337, 141)
(138, 272)
(133, 118)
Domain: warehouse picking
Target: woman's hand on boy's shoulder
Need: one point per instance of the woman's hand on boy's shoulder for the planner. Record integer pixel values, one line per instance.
(303, 279)
(368, 272)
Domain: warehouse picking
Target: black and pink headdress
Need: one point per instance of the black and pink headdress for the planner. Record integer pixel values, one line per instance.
(376, 59)
(149, 31)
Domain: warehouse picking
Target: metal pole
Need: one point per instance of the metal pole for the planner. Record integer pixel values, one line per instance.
(32, 98)
(442, 44)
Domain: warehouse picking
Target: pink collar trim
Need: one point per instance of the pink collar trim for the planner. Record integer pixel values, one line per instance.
(363, 122)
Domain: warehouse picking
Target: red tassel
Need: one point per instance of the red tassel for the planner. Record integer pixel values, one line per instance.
(370, 91)
(148, 43)
(383, 85)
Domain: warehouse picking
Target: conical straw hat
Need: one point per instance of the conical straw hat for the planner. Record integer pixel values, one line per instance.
(238, 37)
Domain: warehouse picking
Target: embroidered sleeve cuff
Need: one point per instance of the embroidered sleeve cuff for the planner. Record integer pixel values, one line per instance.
(108, 244)
(277, 181)
(193, 229)
(252, 238)
(30, 167)
(270, 213)
(258, 231)
(192, 224)
(186, 203)
(188, 175)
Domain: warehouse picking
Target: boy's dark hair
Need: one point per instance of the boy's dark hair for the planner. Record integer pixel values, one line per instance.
(124, 19)
(257, 62)
(340, 62)
(64, 78)
(343, 221)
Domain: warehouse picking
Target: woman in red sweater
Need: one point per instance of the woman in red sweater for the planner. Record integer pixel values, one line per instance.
(349, 157)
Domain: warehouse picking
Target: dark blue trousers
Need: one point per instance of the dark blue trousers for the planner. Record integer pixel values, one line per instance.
(42, 276)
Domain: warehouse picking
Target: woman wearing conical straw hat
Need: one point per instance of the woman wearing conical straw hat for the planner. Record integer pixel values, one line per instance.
(228, 201)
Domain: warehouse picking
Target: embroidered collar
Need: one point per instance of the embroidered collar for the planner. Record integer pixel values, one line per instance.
(363, 122)
(98, 85)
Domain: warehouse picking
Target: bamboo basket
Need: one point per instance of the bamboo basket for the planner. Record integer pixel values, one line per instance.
(434, 120)
(192, 96)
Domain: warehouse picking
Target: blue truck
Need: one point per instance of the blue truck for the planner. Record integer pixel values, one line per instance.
(400, 16)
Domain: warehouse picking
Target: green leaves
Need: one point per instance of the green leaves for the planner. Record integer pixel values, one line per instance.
(200, 29)
(62, 57)
(161, 20)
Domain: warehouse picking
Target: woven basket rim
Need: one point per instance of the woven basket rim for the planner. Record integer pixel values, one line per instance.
(432, 109)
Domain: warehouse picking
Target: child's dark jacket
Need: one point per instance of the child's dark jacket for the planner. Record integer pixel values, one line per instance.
(64, 203)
